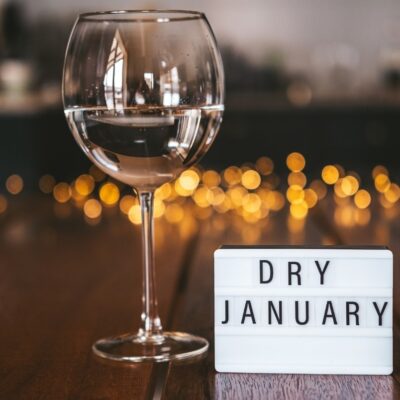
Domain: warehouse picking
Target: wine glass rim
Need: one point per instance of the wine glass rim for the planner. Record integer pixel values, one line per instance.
(139, 15)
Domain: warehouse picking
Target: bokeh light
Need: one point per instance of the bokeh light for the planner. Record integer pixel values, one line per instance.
(382, 182)
(330, 174)
(251, 179)
(127, 202)
(211, 178)
(92, 208)
(295, 162)
(14, 184)
(297, 178)
(62, 192)
(299, 210)
(362, 199)
(295, 194)
(189, 180)
(265, 166)
(232, 176)
(109, 194)
(84, 184)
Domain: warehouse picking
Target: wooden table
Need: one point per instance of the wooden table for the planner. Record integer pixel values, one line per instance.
(65, 283)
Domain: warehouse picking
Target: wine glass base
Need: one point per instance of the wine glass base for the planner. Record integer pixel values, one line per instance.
(132, 348)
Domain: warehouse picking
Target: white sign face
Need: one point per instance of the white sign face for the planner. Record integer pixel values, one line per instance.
(325, 310)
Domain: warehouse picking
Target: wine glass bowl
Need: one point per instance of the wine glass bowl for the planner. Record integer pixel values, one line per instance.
(143, 95)
(143, 92)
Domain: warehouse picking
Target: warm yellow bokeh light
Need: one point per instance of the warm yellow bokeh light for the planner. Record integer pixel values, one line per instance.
(236, 195)
(265, 165)
(393, 193)
(310, 197)
(349, 185)
(330, 174)
(14, 184)
(362, 199)
(216, 196)
(295, 162)
(382, 183)
(92, 208)
(211, 178)
(251, 179)
(338, 188)
(299, 211)
(84, 185)
(159, 208)
(225, 206)
(134, 214)
(189, 180)
(278, 201)
(232, 176)
(251, 202)
(297, 178)
(62, 192)
(295, 194)
(164, 191)
(127, 202)
(46, 183)
(180, 190)
(201, 196)
(109, 194)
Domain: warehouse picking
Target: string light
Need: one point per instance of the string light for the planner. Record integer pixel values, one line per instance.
(247, 194)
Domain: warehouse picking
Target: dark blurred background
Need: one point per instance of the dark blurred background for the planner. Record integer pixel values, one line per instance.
(321, 78)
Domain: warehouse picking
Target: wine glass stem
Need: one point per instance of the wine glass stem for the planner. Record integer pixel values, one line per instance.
(151, 328)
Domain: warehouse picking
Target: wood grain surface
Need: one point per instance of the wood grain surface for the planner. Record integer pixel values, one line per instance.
(65, 283)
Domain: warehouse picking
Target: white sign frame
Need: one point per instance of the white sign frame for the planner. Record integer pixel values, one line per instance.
(275, 317)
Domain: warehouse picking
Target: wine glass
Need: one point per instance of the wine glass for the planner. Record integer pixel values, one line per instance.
(143, 96)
